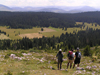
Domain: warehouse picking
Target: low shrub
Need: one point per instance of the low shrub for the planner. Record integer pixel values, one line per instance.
(19, 54)
(94, 58)
(24, 73)
(98, 56)
(8, 54)
(49, 51)
(54, 62)
(8, 73)
(36, 51)
(23, 51)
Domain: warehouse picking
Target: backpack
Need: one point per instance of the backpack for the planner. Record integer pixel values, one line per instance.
(79, 55)
(70, 54)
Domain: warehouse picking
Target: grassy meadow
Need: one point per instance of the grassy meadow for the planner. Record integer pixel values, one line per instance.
(35, 62)
(48, 32)
(14, 33)
(44, 62)
(89, 25)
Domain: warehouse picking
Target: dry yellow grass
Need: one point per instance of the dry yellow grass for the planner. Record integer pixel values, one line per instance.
(14, 33)
(2, 36)
(31, 35)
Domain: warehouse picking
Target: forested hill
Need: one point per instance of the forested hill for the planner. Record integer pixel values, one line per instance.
(33, 19)
(46, 19)
(81, 39)
(90, 17)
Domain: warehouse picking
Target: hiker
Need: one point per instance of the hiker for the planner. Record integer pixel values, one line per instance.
(77, 58)
(70, 58)
(60, 58)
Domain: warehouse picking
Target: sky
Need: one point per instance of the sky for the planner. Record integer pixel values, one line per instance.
(38, 3)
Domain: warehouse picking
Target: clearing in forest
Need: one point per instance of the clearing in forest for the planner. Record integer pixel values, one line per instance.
(36, 35)
(31, 35)
(2, 36)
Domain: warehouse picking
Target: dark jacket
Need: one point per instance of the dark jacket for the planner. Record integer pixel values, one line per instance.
(60, 56)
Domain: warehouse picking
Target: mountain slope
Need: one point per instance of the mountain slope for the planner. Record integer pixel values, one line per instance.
(4, 8)
(55, 9)
(88, 8)
(82, 9)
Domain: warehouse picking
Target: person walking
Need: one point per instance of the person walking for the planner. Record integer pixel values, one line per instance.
(77, 58)
(70, 58)
(60, 59)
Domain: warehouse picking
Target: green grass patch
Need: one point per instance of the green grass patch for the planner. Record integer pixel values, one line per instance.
(14, 33)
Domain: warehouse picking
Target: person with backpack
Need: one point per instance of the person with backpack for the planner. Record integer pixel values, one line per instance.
(60, 59)
(77, 58)
(70, 58)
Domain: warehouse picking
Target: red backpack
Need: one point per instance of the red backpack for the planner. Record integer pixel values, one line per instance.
(70, 54)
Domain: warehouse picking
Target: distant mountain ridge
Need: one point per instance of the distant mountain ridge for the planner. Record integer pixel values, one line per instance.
(56, 9)
(4, 8)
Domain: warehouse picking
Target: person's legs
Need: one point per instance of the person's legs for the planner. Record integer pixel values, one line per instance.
(74, 63)
(68, 64)
(78, 65)
(71, 61)
(60, 64)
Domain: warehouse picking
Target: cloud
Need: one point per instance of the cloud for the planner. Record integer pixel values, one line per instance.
(50, 2)
(91, 3)
(31, 3)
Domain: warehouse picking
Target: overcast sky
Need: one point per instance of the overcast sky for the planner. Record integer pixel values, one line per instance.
(37, 3)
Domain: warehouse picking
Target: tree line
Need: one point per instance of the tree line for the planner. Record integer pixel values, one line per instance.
(34, 19)
(3, 32)
(45, 19)
(65, 41)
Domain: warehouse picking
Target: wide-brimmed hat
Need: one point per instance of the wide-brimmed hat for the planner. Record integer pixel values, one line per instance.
(60, 50)
(77, 48)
